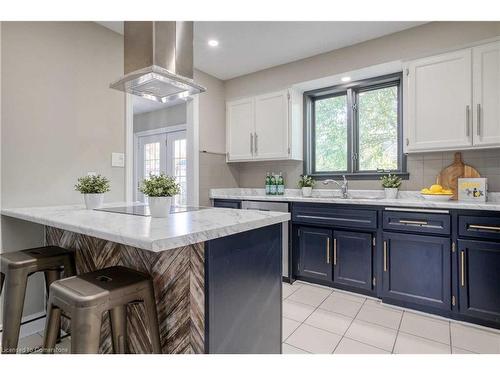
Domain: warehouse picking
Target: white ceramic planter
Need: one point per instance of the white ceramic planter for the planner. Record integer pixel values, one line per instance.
(159, 206)
(93, 200)
(391, 193)
(307, 191)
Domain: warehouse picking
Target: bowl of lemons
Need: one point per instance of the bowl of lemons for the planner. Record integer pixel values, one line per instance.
(437, 193)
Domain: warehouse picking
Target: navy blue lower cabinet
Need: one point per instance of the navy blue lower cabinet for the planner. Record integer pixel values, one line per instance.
(417, 270)
(479, 279)
(352, 259)
(314, 253)
(227, 203)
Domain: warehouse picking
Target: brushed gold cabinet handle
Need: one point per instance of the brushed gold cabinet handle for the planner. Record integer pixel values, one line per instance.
(334, 251)
(413, 222)
(385, 256)
(462, 272)
(328, 250)
(486, 227)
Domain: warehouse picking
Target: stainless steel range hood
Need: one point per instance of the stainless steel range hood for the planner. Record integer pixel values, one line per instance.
(158, 60)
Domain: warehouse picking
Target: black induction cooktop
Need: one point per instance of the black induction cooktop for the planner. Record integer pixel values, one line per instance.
(143, 209)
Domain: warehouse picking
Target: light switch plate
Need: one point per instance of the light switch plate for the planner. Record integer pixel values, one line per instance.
(118, 159)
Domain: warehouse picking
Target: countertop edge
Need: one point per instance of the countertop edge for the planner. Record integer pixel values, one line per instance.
(155, 245)
(451, 205)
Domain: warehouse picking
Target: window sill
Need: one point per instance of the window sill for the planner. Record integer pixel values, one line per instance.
(358, 176)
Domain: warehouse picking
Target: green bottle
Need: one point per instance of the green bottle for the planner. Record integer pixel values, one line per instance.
(273, 187)
(268, 184)
(280, 185)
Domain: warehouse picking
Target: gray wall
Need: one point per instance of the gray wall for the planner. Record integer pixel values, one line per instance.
(59, 121)
(214, 171)
(175, 115)
(419, 41)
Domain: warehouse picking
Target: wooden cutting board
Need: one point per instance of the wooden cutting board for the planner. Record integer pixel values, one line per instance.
(448, 178)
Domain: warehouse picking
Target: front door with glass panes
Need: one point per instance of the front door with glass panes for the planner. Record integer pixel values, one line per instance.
(163, 153)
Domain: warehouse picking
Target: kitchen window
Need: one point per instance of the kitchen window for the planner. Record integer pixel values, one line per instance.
(355, 129)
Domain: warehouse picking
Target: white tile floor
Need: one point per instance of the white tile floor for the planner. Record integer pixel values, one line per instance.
(318, 319)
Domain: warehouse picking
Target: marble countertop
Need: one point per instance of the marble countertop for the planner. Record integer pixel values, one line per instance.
(154, 234)
(358, 197)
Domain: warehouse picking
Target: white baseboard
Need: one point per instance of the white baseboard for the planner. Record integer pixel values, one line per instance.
(31, 324)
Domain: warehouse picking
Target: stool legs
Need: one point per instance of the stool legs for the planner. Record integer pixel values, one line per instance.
(85, 331)
(52, 328)
(152, 318)
(118, 319)
(13, 303)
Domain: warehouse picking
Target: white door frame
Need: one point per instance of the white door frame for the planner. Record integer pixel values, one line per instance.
(192, 130)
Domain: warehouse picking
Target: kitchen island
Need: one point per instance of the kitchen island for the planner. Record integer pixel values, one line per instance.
(216, 272)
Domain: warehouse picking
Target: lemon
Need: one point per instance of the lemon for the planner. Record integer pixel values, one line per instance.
(425, 191)
(436, 189)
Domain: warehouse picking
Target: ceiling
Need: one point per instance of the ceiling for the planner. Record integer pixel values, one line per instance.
(246, 47)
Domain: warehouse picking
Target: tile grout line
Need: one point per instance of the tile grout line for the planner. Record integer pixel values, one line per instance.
(352, 321)
(397, 332)
(303, 322)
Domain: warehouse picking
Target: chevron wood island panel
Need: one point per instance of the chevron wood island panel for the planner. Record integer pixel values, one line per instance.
(178, 278)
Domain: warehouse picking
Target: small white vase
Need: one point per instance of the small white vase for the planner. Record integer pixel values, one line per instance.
(391, 193)
(307, 191)
(159, 206)
(93, 201)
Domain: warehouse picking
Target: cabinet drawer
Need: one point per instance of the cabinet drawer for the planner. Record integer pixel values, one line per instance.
(227, 203)
(332, 216)
(479, 227)
(416, 222)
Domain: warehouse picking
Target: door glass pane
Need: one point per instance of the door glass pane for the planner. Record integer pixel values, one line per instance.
(179, 169)
(331, 134)
(378, 129)
(151, 159)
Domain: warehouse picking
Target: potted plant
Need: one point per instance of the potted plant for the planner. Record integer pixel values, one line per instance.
(306, 183)
(160, 190)
(93, 188)
(391, 184)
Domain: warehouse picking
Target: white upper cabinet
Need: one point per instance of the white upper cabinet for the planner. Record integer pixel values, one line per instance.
(271, 126)
(486, 95)
(240, 135)
(261, 128)
(438, 108)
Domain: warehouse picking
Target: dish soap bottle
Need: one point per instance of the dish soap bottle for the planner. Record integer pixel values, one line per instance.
(268, 184)
(281, 184)
(273, 187)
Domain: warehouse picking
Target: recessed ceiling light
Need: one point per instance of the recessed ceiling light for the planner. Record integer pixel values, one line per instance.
(213, 43)
(345, 79)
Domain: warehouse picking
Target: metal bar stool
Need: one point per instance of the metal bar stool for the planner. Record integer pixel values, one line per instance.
(86, 297)
(15, 268)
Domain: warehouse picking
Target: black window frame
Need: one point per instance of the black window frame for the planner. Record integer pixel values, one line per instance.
(352, 90)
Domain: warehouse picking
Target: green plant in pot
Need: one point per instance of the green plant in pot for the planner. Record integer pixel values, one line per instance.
(93, 188)
(306, 183)
(391, 184)
(160, 190)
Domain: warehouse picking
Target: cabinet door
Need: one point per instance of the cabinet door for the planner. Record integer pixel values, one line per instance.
(439, 102)
(315, 253)
(486, 94)
(240, 130)
(417, 269)
(352, 259)
(271, 126)
(479, 279)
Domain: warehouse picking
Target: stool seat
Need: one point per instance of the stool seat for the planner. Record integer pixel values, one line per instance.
(86, 297)
(107, 287)
(15, 268)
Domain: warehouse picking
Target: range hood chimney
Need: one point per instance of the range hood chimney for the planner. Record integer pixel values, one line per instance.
(158, 60)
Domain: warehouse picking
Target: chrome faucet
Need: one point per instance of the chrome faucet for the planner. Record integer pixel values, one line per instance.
(344, 186)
